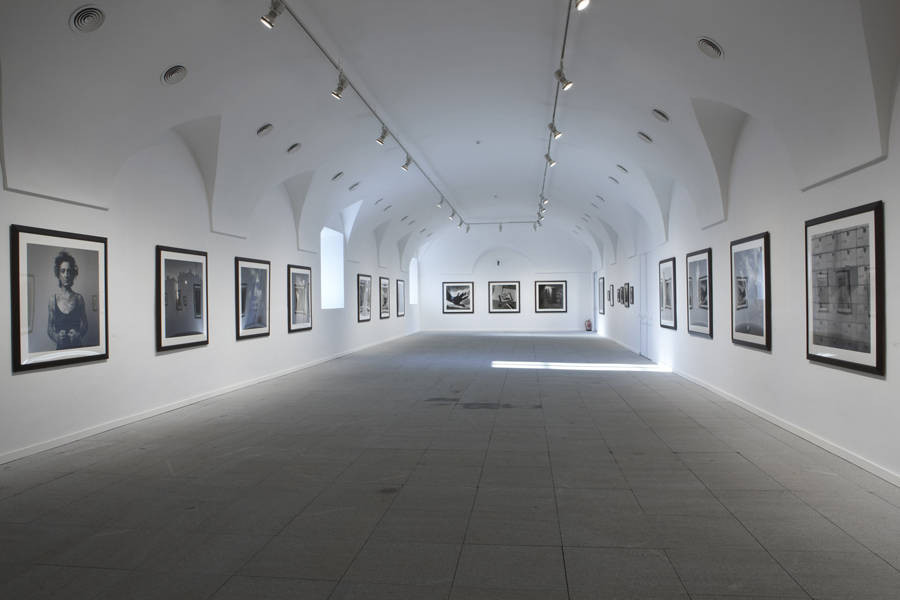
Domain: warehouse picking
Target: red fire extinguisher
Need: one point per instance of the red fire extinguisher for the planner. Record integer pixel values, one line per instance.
(587, 325)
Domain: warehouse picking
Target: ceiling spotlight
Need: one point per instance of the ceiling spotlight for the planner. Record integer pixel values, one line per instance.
(556, 133)
(452, 215)
(540, 220)
(275, 9)
(384, 133)
(561, 78)
(468, 227)
(441, 203)
(550, 160)
(460, 223)
(542, 210)
(545, 200)
(339, 90)
(405, 166)
(582, 4)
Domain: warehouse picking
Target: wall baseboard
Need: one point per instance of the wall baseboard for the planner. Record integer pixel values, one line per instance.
(813, 438)
(127, 420)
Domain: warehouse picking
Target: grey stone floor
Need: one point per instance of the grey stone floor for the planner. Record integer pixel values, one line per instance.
(414, 470)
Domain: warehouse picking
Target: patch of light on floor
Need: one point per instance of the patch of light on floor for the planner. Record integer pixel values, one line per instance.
(565, 366)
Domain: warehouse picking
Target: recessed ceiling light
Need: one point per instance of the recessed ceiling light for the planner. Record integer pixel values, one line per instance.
(585, 219)
(422, 230)
(264, 130)
(600, 198)
(86, 19)
(645, 137)
(595, 205)
(710, 47)
(429, 234)
(388, 207)
(379, 200)
(403, 218)
(172, 75)
(337, 176)
(411, 222)
(353, 186)
(293, 147)
(613, 179)
(660, 115)
(621, 168)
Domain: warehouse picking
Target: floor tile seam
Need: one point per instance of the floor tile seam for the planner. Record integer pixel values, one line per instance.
(757, 540)
(684, 587)
(475, 496)
(558, 523)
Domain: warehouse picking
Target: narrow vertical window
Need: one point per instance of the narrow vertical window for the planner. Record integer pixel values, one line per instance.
(331, 252)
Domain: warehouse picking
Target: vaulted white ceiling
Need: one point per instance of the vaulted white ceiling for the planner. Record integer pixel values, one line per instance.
(466, 86)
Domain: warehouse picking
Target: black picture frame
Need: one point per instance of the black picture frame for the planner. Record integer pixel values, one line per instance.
(363, 298)
(668, 294)
(401, 298)
(504, 297)
(40, 259)
(612, 295)
(630, 294)
(698, 266)
(551, 296)
(601, 296)
(252, 287)
(845, 289)
(182, 300)
(458, 297)
(625, 301)
(751, 316)
(299, 298)
(384, 298)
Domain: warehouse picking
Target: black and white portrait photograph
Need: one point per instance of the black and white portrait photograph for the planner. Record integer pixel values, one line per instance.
(699, 292)
(550, 296)
(668, 315)
(401, 298)
(58, 290)
(299, 302)
(845, 289)
(251, 283)
(750, 297)
(504, 296)
(181, 298)
(363, 297)
(458, 296)
(601, 295)
(384, 298)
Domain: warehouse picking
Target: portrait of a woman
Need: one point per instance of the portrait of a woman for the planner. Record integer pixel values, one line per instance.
(67, 321)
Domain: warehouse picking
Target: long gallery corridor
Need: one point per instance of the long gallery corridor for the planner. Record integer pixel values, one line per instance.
(416, 470)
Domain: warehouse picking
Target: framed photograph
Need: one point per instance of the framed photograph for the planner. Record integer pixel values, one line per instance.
(401, 298)
(668, 305)
(384, 298)
(251, 297)
(612, 295)
(630, 294)
(181, 298)
(363, 298)
(620, 295)
(58, 294)
(550, 296)
(699, 292)
(625, 295)
(601, 300)
(845, 289)
(751, 302)
(504, 297)
(458, 296)
(299, 291)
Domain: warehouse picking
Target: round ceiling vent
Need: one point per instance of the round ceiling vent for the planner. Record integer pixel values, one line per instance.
(174, 74)
(264, 130)
(293, 147)
(710, 47)
(86, 19)
(645, 137)
(337, 175)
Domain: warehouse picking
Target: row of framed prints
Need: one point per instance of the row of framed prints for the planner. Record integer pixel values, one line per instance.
(503, 297)
(59, 298)
(624, 295)
(364, 297)
(844, 290)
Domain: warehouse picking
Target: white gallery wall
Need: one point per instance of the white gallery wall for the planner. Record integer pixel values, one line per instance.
(160, 199)
(854, 414)
(516, 254)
